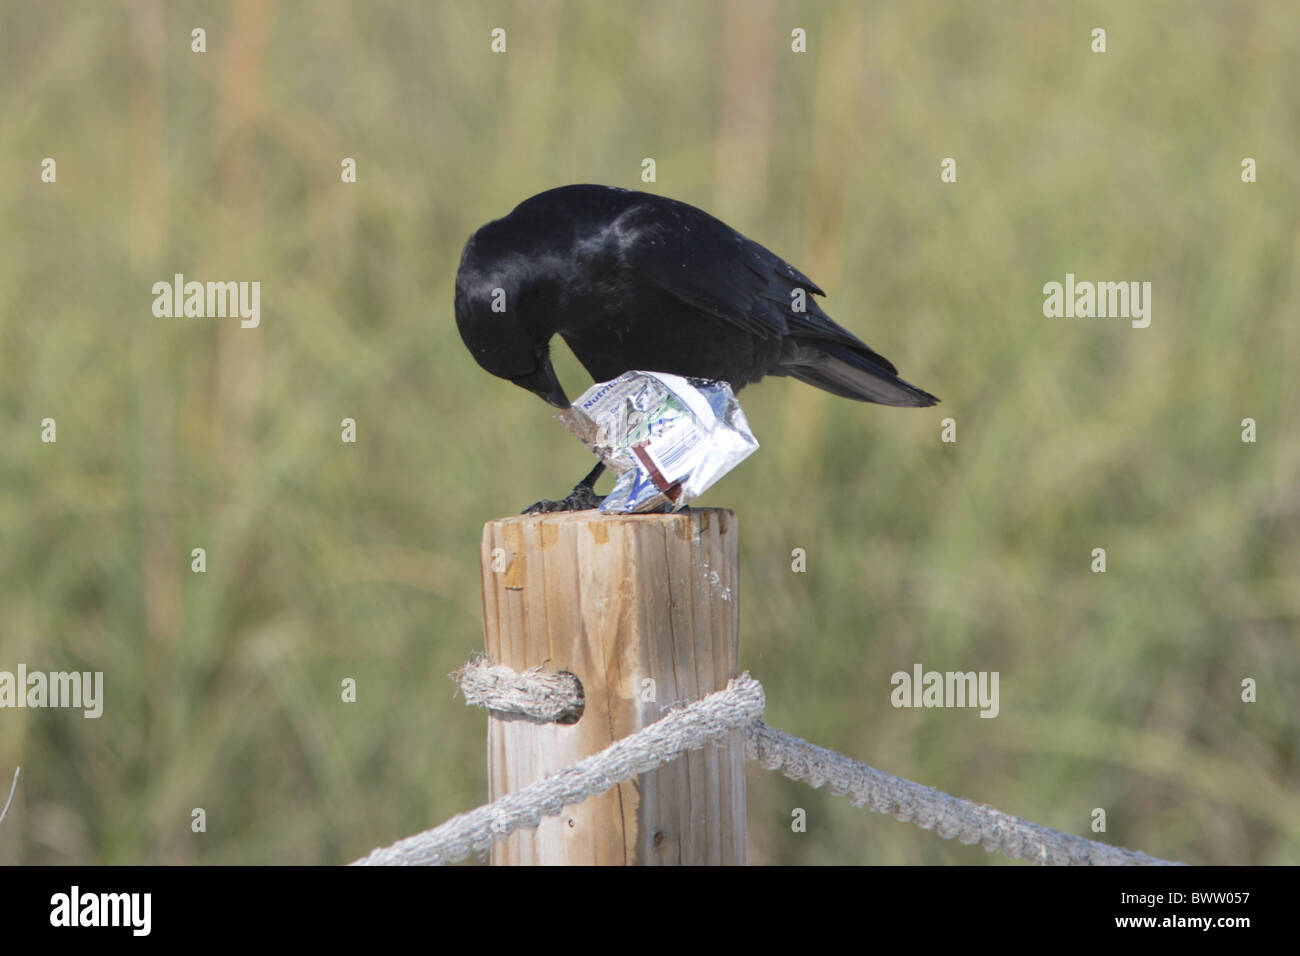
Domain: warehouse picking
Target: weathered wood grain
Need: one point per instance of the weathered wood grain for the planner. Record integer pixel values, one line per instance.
(644, 610)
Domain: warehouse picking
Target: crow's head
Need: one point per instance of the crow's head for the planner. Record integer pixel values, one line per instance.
(506, 314)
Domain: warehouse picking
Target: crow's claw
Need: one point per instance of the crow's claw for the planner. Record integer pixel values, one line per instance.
(581, 498)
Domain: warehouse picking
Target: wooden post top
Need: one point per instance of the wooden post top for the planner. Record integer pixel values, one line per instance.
(691, 517)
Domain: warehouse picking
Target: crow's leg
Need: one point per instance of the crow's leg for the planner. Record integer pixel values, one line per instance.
(583, 497)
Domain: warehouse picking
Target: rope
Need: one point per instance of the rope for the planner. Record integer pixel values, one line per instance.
(12, 787)
(551, 697)
(711, 720)
(931, 809)
(714, 719)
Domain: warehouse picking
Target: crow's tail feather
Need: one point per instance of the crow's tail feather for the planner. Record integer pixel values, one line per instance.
(842, 371)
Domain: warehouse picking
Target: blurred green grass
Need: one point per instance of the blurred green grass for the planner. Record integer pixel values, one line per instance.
(328, 560)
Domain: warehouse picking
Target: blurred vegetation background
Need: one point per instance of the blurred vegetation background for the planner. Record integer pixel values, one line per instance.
(327, 560)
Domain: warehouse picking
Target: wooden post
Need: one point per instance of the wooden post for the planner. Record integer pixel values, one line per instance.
(644, 610)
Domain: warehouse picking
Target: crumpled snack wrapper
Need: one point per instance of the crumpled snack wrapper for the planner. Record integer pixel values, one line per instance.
(667, 438)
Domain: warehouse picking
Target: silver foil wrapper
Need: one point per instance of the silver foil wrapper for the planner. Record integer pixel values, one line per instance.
(666, 438)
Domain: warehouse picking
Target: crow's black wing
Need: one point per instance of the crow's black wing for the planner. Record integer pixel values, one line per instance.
(705, 264)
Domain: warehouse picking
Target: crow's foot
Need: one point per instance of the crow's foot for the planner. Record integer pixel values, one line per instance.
(581, 498)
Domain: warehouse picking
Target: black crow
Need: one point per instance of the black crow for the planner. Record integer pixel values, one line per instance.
(631, 280)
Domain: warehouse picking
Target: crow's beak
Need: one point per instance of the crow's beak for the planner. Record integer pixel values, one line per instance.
(544, 384)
